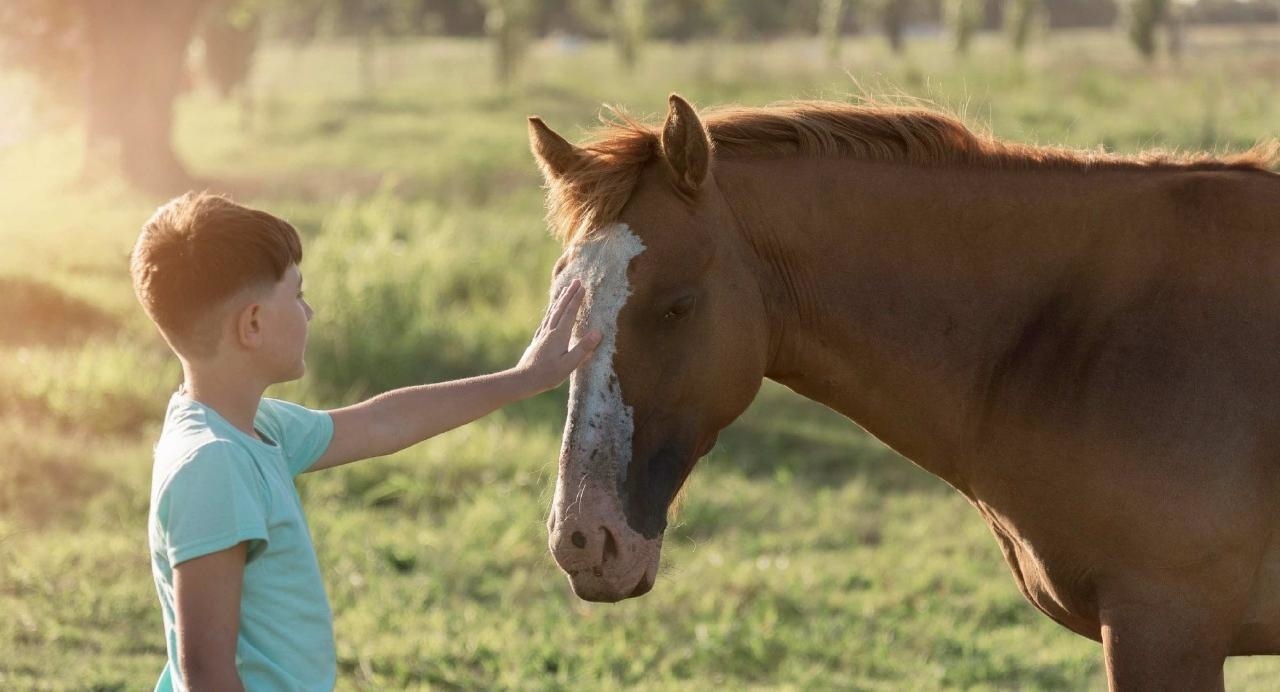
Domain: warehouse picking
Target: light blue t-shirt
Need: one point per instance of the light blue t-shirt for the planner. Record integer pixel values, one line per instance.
(212, 487)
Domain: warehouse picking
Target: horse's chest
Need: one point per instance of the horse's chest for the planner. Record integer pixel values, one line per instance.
(1060, 588)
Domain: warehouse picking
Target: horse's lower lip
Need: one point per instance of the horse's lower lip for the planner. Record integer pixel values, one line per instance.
(642, 586)
(588, 586)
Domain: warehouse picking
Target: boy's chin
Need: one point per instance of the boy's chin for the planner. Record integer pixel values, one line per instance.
(295, 374)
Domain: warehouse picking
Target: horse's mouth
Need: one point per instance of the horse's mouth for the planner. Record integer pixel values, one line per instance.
(642, 586)
(596, 592)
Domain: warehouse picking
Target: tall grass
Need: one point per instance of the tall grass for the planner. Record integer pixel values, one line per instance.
(805, 555)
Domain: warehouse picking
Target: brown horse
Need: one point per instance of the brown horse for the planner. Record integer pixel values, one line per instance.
(1086, 346)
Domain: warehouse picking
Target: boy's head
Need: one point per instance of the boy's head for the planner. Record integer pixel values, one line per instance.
(209, 271)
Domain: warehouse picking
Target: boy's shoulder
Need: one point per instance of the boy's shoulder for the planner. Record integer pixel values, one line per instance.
(278, 415)
(302, 433)
(191, 434)
(291, 432)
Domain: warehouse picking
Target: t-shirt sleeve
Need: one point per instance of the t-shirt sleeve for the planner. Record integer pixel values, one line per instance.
(214, 500)
(302, 433)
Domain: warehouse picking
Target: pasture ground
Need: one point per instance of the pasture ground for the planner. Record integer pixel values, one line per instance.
(806, 555)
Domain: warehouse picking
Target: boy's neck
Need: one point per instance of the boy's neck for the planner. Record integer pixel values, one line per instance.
(234, 398)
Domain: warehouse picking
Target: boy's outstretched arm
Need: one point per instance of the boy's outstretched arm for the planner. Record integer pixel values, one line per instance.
(400, 418)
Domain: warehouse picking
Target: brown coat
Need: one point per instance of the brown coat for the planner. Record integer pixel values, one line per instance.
(1085, 346)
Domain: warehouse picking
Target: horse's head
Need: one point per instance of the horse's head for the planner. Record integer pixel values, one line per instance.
(684, 349)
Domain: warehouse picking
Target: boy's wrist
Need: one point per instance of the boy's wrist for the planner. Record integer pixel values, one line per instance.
(525, 382)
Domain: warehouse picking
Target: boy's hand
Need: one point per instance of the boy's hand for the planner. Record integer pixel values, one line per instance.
(549, 360)
(394, 420)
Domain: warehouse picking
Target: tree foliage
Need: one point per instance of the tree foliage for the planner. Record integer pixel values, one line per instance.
(45, 38)
(1144, 18)
(230, 39)
(125, 58)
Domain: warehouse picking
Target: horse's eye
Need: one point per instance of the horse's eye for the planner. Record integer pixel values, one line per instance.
(680, 308)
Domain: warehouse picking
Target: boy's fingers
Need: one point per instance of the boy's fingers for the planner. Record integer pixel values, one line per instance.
(584, 348)
(557, 307)
(561, 333)
(570, 301)
(551, 308)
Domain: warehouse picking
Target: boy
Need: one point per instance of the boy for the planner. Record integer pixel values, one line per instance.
(239, 586)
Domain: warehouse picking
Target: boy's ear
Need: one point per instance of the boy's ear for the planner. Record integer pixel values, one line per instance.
(248, 325)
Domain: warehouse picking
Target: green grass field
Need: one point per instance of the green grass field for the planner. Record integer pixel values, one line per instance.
(806, 555)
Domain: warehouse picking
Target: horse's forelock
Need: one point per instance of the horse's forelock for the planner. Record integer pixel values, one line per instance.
(591, 195)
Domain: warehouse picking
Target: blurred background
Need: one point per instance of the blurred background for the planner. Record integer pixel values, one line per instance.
(392, 134)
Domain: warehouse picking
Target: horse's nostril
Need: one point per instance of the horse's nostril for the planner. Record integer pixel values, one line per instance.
(579, 539)
(610, 545)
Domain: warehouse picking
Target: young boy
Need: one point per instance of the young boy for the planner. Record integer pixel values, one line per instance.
(240, 590)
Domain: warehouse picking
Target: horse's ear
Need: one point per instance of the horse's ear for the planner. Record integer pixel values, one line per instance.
(554, 153)
(686, 146)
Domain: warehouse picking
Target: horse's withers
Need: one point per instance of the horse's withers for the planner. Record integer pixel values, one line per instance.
(588, 530)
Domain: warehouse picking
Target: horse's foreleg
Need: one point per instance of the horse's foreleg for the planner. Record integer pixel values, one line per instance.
(1163, 644)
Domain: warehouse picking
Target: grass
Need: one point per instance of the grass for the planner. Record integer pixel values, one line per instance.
(806, 555)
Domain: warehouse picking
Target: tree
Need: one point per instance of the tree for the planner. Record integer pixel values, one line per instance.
(131, 54)
(370, 21)
(230, 38)
(624, 21)
(507, 22)
(1020, 17)
(1176, 26)
(891, 15)
(45, 38)
(963, 17)
(137, 62)
(830, 26)
(1144, 17)
(629, 30)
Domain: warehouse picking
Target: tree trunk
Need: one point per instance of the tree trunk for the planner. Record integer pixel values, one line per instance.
(137, 52)
(1176, 23)
(894, 22)
(830, 24)
(366, 45)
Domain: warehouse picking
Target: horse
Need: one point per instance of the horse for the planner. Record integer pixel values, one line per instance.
(1084, 345)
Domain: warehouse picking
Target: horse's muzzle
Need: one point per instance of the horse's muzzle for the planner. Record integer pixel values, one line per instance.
(605, 561)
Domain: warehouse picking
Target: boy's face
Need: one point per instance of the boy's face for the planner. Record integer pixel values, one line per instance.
(285, 315)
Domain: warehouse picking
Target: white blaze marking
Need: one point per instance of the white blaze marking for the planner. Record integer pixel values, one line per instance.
(600, 425)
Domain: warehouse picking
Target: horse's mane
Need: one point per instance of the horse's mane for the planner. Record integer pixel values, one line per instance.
(593, 192)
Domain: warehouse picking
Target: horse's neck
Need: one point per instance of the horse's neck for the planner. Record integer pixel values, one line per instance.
(889, 287)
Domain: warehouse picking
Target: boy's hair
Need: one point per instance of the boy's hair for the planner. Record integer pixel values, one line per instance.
(196, 252)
